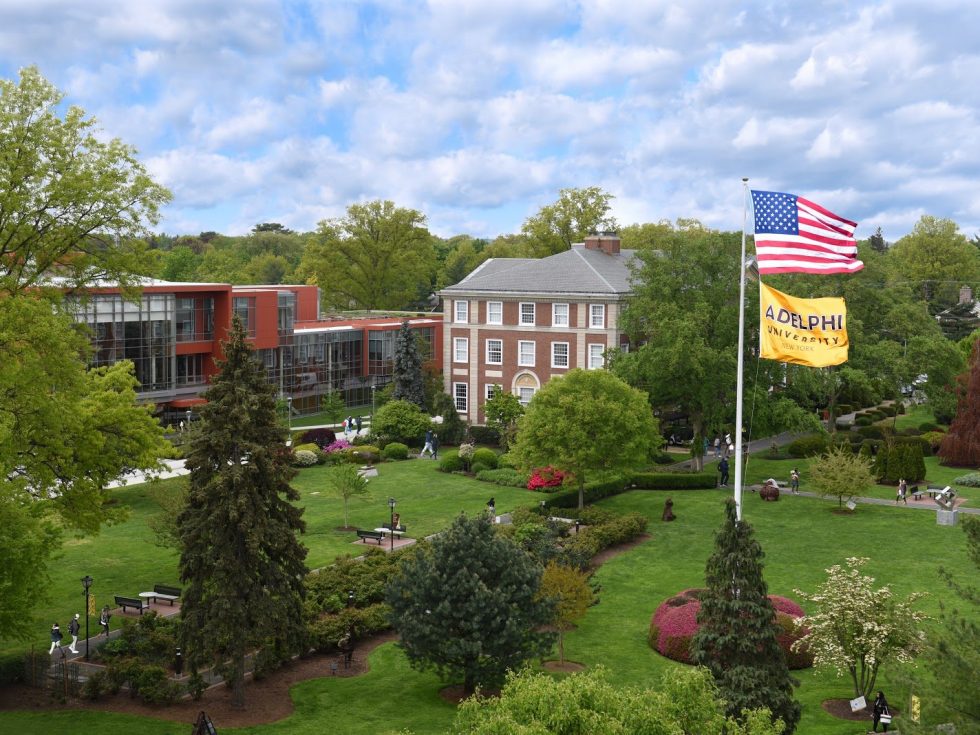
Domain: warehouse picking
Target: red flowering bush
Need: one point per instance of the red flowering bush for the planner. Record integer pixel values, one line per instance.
(545, 479)
(675, 622)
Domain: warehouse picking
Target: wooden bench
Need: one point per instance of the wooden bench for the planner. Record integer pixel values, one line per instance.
(136, 602)
(165, 592)
(365, 535)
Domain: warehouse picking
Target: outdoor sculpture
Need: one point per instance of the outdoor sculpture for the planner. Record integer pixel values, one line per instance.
(769, 491)
(668, 510)
(944, 499)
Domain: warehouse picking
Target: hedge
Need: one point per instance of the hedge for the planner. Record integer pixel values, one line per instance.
(597, 490)
(395, 451)
(808, 446)
(485, 435)
(486, 457)
(674, 480)
(505, 476)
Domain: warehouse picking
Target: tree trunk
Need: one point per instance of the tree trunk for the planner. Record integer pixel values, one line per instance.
(581, 494)
(469, 683)
(561, 648)
(238, 679)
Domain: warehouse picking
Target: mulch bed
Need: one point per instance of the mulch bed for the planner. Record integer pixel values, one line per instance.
(606, 554)
(569, 667)
(841, 709)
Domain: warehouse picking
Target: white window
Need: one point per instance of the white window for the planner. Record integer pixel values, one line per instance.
(459, 396)
(492, 389)
(495, 352)
(559, 354)
(559, 315)
(495, 312)
(595, 356)
(597, 316)
(525, 354)
(461, 349)
(527, 314)
(524, 395)
(462, 315)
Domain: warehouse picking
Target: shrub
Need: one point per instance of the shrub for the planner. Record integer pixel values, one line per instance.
(485, 435)
(153, 686)
(842, 425)
(395, 451)
(401, 421)
(505, 476)
(364, 453)
(862, 420)
(321, 437)
(889, 411)
(450, 461)
(970, 480)
(304, 458)
(910, 431)
(870, 432)
(96, 685)
(486, 457)
(338, 445)
(674, 480)
(844, 408)
(618, 530)
(596, 490)
(478, 467)
(928, 426)
(11, 668)
(808, 446)
(545, 479)
(920, 441)
(660, 457)
(328, 629)
(466, 452)
(507, 460)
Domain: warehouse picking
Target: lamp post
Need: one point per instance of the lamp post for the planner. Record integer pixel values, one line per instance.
(86, 583)
(289, 415)
(350, 599)
(391, 506)
(373, 387)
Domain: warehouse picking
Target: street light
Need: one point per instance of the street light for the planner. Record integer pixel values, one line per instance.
(289, 414)
(391, 506)
(86, 583)
(188, 414)
(373, 387)
(350, 599)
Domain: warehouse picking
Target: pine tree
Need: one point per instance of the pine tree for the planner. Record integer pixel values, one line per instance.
(469, 606)
(961, 446)
(409, 382)
(241, 562)
(737, 632)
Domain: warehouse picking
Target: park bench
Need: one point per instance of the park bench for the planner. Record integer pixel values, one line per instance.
(916, 492)
(165, 592)
(136, 602)
(400, 528)
(365, 535)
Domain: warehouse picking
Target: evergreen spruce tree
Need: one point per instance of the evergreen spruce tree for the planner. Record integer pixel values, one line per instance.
(409, 382)
(961, 446)
(737, 632)
(469, 606)
(241, 562)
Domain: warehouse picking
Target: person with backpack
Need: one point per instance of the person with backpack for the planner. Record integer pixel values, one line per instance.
(55, 637)
(104, 620)
(73, 627)
(794, 481)
(723, 469)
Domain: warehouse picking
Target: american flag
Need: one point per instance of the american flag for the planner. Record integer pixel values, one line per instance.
(795, 235)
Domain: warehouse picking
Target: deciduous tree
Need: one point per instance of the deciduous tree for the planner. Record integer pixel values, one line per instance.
(468, 607)
(961, 446)
(937, 257)
(503, 411)
(401, 421)
(571, 594)
(577, 213)
(840, 474)
(241, 561)
(346, 482)
(585, 422)
(857, 628)
(737, 633)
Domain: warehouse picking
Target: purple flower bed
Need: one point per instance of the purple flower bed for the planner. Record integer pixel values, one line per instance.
(337, 445)
(675, 622)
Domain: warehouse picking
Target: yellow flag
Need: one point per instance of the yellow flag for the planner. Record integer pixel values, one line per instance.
(810, 332)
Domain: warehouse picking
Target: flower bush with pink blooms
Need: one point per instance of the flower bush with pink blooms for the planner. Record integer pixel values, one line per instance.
(546, 479)
(337, 445)
(675, 622)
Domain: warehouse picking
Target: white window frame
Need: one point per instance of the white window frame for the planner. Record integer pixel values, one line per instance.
(500, 315)
(491, 389)
(461, 397)
(554, 363)
(599, 323)
(500, 358)
(554, 316)
(520, 352)
(461, 345)
(461, 311)
(525, 391)
(520, 314)
(593, 347)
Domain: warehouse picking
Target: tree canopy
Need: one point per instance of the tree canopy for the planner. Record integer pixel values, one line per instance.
(408, 379)
(586, 422)
(577, 213)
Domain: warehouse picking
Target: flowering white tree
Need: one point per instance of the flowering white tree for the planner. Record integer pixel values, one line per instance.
(857, 628)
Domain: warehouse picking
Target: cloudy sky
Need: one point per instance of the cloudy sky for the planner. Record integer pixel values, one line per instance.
(477, 112)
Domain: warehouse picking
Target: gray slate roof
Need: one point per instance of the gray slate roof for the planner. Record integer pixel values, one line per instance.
(573, 271)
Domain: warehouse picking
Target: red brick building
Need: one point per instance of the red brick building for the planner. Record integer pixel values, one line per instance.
(516, 322)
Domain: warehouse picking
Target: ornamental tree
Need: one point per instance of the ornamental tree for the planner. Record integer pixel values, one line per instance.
(585, 422)
(241, 561)
(570, 592)
(857, 628)
(503, 411)
(737, 638)
(840, 474)
(469, 606)
(346, 482)
(961, 447)
(401, 421)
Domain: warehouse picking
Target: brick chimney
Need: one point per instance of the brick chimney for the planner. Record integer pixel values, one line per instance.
(607, 242)
(966, 295)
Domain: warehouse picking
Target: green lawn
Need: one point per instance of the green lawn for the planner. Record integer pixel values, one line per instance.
(801, 537)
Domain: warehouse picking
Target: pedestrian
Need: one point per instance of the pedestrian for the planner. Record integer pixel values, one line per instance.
(718, 446)
(794, 481)
(903, 489)
(435, 445)
(880, 712)
(73, 627)
(723, 468)
(357, 425)
(104, 620)
(427, 447)
(55, 638)
(492, 510)
(349, 426)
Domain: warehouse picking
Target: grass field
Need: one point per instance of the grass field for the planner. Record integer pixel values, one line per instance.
(801, 537)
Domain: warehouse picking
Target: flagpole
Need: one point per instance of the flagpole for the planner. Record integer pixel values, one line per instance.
(741, 341)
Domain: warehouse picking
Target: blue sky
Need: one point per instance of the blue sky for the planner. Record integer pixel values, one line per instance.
(477, 112)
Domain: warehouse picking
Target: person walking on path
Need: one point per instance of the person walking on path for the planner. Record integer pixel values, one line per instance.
(73, 627)
(492, 510)
(880, 712)
(428, 445)
(104, 620)
(718, 446)
(723, 469)
(903, 488)
(357, 426)
(794, 481)
(55, 638)
(435, 445)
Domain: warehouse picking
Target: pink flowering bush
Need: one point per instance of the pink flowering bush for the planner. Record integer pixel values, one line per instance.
(336, 446)
(546, 479)
(675, 623)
